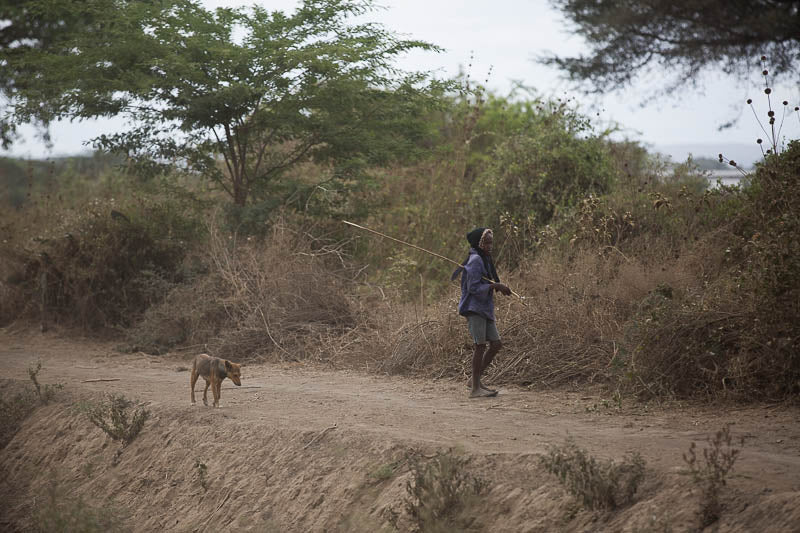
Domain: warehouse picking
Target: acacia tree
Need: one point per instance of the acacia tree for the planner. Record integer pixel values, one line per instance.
(237, 95)
(628, 38)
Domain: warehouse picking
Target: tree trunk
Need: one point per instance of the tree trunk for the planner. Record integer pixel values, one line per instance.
(240, 191)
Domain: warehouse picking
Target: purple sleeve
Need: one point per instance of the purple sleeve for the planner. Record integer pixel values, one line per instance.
(476, 285)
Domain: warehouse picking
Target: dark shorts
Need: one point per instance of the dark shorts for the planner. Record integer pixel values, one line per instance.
(482, 329)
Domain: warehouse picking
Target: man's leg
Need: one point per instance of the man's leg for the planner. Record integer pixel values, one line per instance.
(477, 328)
(493, 336)
(494, 347)
(477, 367)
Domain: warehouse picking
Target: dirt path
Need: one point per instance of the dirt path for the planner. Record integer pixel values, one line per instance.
(296, 448)
(437, 413)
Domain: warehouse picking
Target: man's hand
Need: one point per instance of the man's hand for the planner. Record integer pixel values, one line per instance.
(502, 288)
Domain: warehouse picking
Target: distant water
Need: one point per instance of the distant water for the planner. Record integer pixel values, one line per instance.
(727, 177)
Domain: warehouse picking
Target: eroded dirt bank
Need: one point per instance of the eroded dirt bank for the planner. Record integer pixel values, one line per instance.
(299, 449)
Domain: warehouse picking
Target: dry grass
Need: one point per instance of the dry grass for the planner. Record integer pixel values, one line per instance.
(286, 298)
(568, 332)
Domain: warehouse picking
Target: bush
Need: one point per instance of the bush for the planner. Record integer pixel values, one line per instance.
(116, 418)
(737, 332)
(440, 490)
(45, 393)
(719, 457)
(103, 265)
(769, 239)
(18, 403)
(548, 166)
(596, 484)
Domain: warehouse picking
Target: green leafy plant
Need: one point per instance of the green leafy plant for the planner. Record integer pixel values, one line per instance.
(120, 418)
(718, 460)
(550, 163)
(597, 484)
(237, 95)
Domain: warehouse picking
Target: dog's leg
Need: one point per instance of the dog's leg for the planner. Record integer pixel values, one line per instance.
(205, 392)
(193, 379)
(215, 389)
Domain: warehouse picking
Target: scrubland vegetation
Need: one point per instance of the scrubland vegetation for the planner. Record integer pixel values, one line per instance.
(636, 274)
(215, 224)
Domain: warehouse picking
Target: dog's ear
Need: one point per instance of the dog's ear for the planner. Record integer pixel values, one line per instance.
(228, 366)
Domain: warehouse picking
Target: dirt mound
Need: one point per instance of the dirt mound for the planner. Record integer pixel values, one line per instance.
(193, 472)
(300, 449)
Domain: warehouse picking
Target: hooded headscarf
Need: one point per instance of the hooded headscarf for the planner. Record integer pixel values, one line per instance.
(474, 238)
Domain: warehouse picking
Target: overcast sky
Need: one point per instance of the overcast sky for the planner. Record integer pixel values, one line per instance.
(505, 36)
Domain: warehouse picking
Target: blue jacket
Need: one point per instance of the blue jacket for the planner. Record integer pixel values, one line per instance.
(476, 294)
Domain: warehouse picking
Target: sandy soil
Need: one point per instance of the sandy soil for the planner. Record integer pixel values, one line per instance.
(296, 448)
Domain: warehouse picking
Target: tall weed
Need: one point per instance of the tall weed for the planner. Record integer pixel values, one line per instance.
(441, 492)
(598, 485)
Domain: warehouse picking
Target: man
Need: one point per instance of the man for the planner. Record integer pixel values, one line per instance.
(479, 280)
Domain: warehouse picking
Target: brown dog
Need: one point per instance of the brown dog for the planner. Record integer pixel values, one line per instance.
(214, 370)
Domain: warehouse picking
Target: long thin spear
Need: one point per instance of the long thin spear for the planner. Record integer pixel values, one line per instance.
(522, 301)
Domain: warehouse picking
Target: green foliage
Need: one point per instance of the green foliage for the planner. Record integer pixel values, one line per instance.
(628, 39)
(551, 163)
(120, 418)
(718, 457)
(503, 162)
(770, 231)
(596, 484)
(673, 209)
(440, 491)
(534, 176)
(237, 95)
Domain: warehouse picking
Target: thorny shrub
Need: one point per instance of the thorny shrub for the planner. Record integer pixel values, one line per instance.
(440, 490)
(120, 418)
(598, 485)
(719, 457)
(45, 393)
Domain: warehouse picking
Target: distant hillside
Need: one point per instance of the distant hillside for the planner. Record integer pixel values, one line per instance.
(744, 154)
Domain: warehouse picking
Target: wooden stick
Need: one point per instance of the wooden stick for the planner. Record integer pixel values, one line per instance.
(427, 252)
(404, 242)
